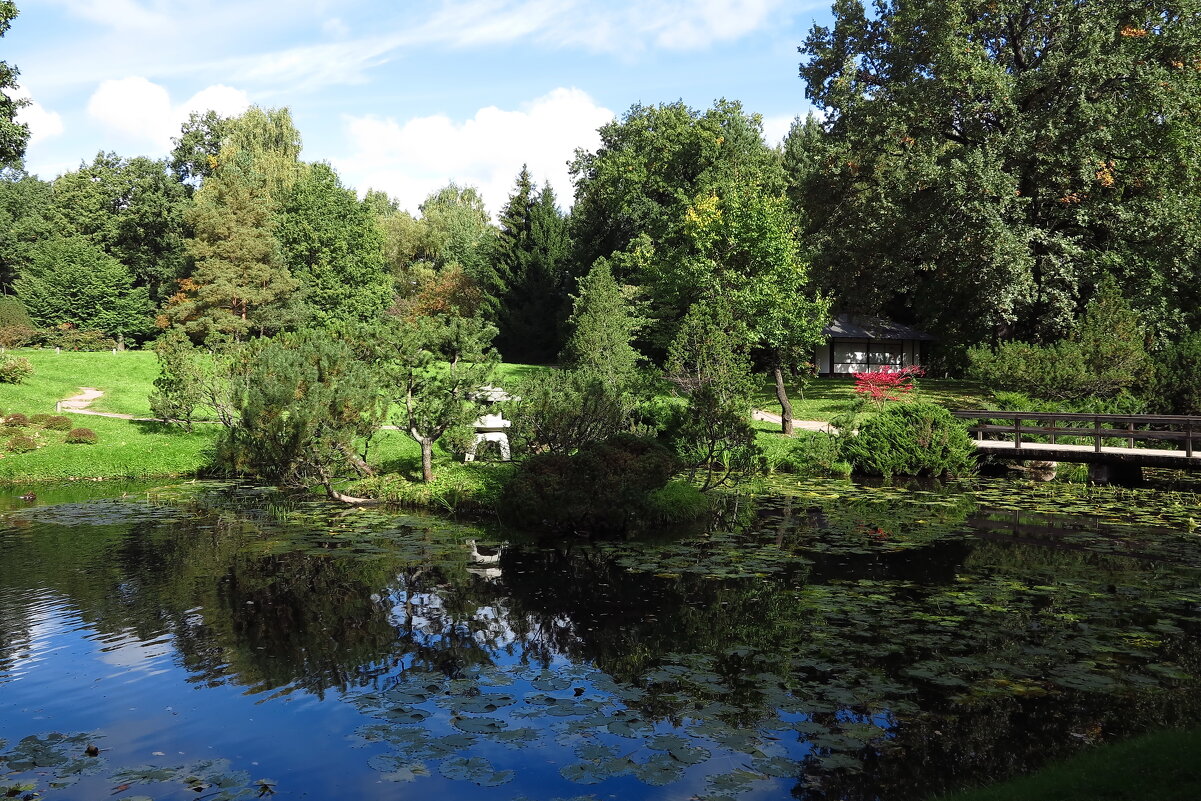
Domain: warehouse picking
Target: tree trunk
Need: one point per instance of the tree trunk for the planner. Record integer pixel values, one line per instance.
(785, 404)
(427, 459)
(356, 461)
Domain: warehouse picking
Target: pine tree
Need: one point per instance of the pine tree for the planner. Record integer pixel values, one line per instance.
(603, 325)
(531, 252)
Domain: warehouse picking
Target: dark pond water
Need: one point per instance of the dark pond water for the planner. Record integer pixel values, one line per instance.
(824, 641)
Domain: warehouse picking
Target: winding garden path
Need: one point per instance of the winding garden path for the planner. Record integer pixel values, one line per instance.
(805, 425)
(78, 404)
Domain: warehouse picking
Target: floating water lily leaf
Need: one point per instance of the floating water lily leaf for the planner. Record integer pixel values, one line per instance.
(659, 770)
(484, 703)
(778, 767)
(480, 725)
(476, 770)
(549, 682)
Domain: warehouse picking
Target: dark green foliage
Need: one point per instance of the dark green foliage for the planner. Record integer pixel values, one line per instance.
(806, 453)
(16, 420)
(21, 444)
(14, 369)
(26, 205)
(307, 399)
(1122, 403)
(910, 439)
(982, 168)
(602, 487)
(70, 281)
(57, 422)
(559, 412)
(1104, 356)
(13, 135)
(13, 314)
(194, 156)
(82, 436)
(68, 337)
(531, 255)
(333, 247)
(133, 210)
(1176, 388)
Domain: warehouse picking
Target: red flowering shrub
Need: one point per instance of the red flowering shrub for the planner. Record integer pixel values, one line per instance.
(887, 383)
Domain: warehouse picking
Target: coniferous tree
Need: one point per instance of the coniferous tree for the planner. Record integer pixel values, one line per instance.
(602, 327)
(25, 220)
(531, 254)
(333, 247)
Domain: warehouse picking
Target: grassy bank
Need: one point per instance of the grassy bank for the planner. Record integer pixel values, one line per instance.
(1162, 766)
(126, 379)
(826, 398)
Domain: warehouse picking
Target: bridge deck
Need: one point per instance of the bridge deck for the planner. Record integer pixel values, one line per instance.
(1147, 457)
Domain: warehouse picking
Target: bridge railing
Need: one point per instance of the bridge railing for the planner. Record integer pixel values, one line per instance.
(1181, 431)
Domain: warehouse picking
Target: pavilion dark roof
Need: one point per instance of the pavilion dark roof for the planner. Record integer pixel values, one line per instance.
(855, 326)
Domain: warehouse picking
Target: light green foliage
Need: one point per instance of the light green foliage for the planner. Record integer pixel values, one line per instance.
(16, 327)
(910, 439)
(807, 453)
(132, 210)
(560, 412)
(307, 399)
(531, 255)
(437, 366)
(982, 167)
(1104, 356)
(207, 379)
(14, 369)
(460, 233)
(71, 281)
(653, 162)
(13, 135)
(333, 247)
(603, 325)
(1177, 385)
(708, 362)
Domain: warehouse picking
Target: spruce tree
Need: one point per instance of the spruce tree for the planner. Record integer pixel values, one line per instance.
(603, 325)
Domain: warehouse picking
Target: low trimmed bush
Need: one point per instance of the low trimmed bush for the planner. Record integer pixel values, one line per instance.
(807, 453)
(14, 369)
(82, 436)
(57, 422)
(16, 420)
(911, 439)
(21, 444)
(39, 420)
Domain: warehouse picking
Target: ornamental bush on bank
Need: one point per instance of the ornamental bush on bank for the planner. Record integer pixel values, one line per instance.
(14, 369)
(911, 439)
(82, 436)
(21, 444)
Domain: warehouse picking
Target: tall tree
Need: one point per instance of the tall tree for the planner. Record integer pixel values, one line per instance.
(131, 209)
(531, 253)
(25, 220)
(70, 281)
(461, 233)
(987, 163)
(194, 155)
(241, 285)
(653, 162)
(603, 325)
(333, 247)
(13, 135)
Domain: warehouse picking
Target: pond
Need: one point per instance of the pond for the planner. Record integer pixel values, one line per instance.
(822, 640)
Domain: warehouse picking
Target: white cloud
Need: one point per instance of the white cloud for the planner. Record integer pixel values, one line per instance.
(336, 28)
(776, 127)
(43, 123)
(141, 110)
(413, 158)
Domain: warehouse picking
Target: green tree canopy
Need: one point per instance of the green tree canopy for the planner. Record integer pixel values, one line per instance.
(25, 220)
(13, 135)
(133, 211)
(71, 281)
(987, 163)
(333, 247)
(603, 325)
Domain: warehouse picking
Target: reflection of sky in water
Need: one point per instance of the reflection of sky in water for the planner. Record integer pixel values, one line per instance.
(725, 669)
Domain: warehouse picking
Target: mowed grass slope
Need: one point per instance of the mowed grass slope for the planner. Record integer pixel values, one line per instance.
(826, 398)
(126, 378)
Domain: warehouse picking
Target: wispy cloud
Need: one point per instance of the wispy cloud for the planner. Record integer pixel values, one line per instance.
(142, 112)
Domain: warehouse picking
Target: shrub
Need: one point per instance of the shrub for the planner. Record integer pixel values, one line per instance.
(808, 453)
(1176, 388)
(678, 502)
(15, 336)
(604, 486)
(14, 369)
(82, 436)
(21, 444)
(16, 420)
(57, 422)
(39, 420)
(78, 339)
(911, 439)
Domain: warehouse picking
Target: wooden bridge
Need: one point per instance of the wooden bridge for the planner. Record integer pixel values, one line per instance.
(1109, 440)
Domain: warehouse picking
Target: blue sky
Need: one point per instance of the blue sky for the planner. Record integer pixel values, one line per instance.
(400, 96)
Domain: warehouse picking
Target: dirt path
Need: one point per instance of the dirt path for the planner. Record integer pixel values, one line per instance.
(78, 404)
(805, 425)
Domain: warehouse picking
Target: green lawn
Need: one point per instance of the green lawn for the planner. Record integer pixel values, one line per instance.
(126, 379)
(1161, 766)
(826, 398)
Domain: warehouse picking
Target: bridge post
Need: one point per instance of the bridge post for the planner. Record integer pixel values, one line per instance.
(1017, 430)
(1097, 433)
(1188, 439)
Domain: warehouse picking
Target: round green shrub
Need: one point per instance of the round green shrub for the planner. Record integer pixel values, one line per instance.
(1177, 385)
(39, 420)
(602, 487)
(82, 436)
(21, 444)
(57, 422)
(16, 420)
(14, 369)
(911, 439)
